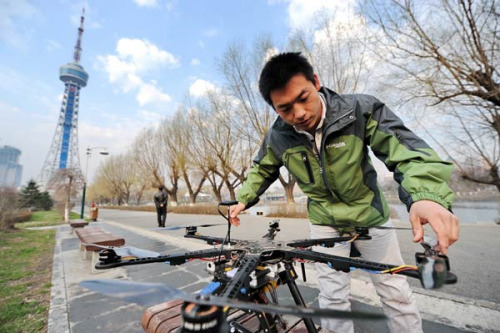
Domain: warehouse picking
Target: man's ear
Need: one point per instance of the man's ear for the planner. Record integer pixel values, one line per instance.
(316, 82)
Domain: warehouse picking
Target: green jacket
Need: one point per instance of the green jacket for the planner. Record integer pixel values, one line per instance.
(341, 182)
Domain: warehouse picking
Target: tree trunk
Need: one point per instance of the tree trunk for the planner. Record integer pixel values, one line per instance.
(288, 187)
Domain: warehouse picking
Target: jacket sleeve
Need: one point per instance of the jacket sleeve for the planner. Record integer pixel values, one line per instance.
(421, 174)
(264, 171)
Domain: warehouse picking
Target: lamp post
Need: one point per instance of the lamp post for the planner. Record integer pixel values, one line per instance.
(89, 152)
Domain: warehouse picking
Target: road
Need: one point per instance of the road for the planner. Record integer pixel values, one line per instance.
(470, 305)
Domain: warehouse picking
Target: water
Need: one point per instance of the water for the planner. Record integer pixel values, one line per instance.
(468, 212)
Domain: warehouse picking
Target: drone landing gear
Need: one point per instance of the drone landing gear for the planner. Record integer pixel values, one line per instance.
(288, 277)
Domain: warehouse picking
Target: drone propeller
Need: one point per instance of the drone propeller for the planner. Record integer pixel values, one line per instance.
(178, 227)
(129, 251)
(148, 294)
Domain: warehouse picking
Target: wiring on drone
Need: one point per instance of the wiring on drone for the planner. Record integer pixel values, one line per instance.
(399, 269)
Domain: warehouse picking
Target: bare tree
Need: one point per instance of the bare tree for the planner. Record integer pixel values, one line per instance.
(203, 157)
(215, 143)
(178, 146)
(142, 180)
(66, 185)
(253, 118)
(99, 192)
(338, 50)
(447, 52)
(118, 177)
(151, 153)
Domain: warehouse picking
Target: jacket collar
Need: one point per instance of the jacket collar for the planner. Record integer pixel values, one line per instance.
(337, 111)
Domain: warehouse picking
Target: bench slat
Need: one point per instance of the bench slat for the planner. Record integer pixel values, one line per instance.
(98, 236)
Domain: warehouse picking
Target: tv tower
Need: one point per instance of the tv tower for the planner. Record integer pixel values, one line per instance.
(63, 154)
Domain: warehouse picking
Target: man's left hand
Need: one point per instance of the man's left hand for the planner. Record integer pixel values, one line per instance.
(442, 221)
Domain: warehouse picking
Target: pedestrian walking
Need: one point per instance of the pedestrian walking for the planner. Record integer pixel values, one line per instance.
(161, 200)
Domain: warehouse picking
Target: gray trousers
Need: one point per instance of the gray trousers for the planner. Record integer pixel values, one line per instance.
(395, 293)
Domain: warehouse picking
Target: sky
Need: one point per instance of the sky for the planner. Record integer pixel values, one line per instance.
(143, 57)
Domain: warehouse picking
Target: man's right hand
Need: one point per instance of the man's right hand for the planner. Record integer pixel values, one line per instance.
(233, 213)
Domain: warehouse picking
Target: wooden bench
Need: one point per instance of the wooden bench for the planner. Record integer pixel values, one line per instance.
(77, 224)
(166, 318)
(92, 236)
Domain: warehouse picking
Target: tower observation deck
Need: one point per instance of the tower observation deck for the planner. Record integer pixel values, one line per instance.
(63, 154)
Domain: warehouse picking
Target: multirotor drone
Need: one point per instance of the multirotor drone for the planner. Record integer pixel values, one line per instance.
(246, 275)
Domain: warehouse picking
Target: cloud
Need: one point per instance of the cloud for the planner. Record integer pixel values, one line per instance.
(144, 54)
(12, 31)
(302, 13)
(146, 3)
(150, 94)
(135, 59)
(201, 87)
(195, 61)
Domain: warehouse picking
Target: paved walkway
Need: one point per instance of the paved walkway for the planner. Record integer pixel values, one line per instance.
(74, 309)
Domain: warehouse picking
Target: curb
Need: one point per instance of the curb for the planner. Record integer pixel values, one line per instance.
(58, 311)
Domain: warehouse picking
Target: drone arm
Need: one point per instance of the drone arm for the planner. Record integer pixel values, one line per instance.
(344, 264)
(108, 260)
(211, 240)
(324, 242)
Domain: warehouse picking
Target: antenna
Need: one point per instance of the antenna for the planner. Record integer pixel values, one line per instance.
(78, 46)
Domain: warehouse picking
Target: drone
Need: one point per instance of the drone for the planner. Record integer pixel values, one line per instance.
(246, 275)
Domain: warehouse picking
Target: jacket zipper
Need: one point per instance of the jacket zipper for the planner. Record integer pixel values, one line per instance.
(308, 168)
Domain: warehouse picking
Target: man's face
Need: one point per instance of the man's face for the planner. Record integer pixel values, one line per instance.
(298, 103)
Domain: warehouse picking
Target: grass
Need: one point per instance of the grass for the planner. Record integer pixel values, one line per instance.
(25, 279)
(47, 218)
(287, 210)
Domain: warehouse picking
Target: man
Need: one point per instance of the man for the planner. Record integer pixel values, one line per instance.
(322, 138)
(161, 199)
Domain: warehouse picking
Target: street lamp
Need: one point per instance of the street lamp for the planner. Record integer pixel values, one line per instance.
(89, 153)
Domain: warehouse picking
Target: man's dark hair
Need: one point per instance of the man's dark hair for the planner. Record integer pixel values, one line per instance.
(280, 69)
